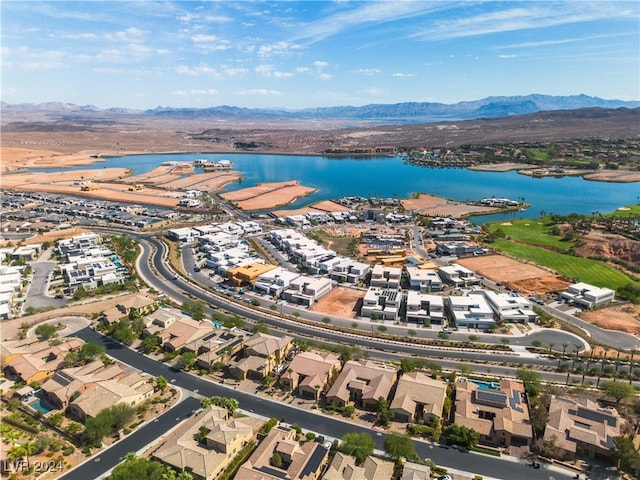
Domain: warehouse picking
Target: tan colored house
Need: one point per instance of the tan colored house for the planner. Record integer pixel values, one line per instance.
(343, 467)
(362, 383)
(140, 303)
(581, 427)
(162, 317)
(260, 354)
(130, 389)
(418, 396)
(218, 346)
(68, 382)
(39, 364)
(415, 471)
(299, 460)
(206, 444)
(309, 373)
(181, 332)
(499, 415)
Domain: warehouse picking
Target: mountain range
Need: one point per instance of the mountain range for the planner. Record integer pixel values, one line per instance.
(408, 112)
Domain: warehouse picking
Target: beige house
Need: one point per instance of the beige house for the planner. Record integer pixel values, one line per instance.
(581, 427)
(415, 471)
(499, 415)
(218, 346)
(343, 467)
(418, 396)
(69, 382)
(140, 303)
(180, 332)
(40, 363)
(206, 444)
(298, 460)
(309, 373)
(362, 383)
(260, 354)
(131, 390)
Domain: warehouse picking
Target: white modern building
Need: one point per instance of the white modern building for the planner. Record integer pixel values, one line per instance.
(342, 269)
(425, 308)
(457, 275)
(511, 307)
(386, 277)
(424, 280)
(381, 303)
(306, 290)
(588, 296)
(472, 311)
(275, 281)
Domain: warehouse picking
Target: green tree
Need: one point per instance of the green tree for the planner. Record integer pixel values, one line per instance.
(625, 455)
(187, 359)
(384, 413)
(261, 327)
(359, 445)
(618, 390)
(531, 380)
(460, 435)
(276, 460)
(399, 446)
(142, 468)
(407, 365)
(46, 331)
(91, 350)
(196, 308)
(161, 383)
(149, 344)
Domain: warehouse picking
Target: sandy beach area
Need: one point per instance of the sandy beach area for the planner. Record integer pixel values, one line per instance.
(267, 195)
(433, 206)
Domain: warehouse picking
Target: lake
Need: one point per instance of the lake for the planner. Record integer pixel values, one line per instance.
(389, 176)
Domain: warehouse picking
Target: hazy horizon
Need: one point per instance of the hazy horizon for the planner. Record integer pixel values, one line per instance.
(296, 55)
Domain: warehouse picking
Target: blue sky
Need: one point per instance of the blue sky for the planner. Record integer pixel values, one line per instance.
(303, 54)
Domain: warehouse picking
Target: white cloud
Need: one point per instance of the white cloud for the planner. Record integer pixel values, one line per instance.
(369, 71)
(198, 70)
(507, 56)
(302, 69)
(131, 34)
(278, 48)
(210, 43)
(320, 64)
(258, 92)
(269, 71)
(372, 91)
(403, 75)
(208, 91)
(326, 76)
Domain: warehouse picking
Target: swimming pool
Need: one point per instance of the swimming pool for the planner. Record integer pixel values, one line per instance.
(486, 385)
(37, 404)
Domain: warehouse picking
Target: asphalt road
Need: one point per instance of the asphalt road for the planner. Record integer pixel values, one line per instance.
(329, 426)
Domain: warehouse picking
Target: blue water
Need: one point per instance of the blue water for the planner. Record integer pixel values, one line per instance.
(484, 385)
(40, 406)
(390, 176)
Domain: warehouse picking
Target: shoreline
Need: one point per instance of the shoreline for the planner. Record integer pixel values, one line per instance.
(89, 157)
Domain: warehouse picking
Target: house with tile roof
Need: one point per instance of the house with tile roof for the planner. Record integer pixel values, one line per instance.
(40, 363)
(362, 384)
(418, 397)
(309, 373)
(205, 444)
(581, 427)
(343, 467)
(500, 415)
(298, 460)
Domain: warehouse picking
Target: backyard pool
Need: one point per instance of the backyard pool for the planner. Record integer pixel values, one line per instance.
(39, 405)
(486, 385)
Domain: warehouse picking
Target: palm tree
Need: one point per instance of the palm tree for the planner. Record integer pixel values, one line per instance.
(633, 351)
(576, 349)
(564, 349)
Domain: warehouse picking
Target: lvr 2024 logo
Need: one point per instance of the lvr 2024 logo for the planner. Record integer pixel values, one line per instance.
(23, 466)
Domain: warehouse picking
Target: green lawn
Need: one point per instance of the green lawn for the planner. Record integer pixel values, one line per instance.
(585, 270)
(633, 211)
(532, 232)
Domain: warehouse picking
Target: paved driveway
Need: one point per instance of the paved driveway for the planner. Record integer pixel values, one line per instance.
(37, 293)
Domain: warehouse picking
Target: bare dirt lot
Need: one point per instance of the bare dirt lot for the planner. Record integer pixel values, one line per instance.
(267, 195)
(341, 302)
(441, 207)
(625, 318)
(517, 275)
